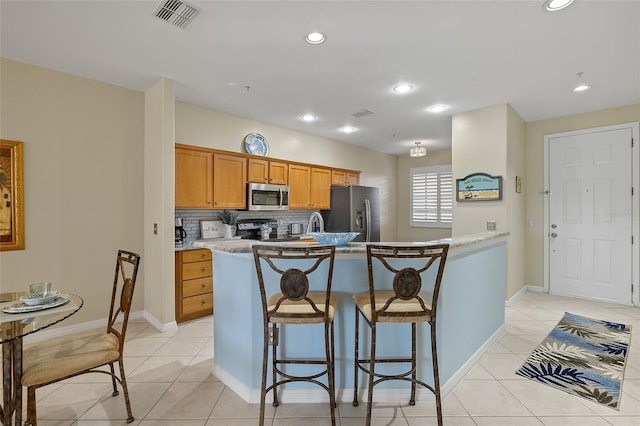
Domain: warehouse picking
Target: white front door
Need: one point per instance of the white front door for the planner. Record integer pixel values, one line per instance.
(590, 215)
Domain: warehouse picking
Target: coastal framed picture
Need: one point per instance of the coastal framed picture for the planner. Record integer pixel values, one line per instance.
(479, 187)
(11, 195)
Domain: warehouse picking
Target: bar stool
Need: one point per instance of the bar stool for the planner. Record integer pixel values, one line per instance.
(296, 270)
(405, 303)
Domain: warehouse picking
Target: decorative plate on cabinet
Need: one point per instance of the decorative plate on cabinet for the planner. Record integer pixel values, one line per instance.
(256, 144)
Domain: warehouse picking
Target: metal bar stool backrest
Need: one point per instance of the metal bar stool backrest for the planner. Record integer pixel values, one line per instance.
(284, 264)
(407, 280)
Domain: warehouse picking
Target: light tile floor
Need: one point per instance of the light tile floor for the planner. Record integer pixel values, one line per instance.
(171, 383)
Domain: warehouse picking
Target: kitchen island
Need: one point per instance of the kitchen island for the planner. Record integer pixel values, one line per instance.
(470, 320)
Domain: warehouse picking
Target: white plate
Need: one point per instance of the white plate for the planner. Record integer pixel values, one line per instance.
(20, 308)
(30, 301)
(256, 144)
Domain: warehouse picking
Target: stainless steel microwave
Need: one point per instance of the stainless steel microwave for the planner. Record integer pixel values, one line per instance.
(261, 196)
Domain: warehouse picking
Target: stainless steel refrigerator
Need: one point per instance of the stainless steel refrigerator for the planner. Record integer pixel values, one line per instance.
(354, 209)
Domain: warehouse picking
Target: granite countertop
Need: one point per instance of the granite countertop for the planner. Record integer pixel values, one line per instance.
(457, 245)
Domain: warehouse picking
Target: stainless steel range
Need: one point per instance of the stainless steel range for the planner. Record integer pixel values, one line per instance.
(250, 229)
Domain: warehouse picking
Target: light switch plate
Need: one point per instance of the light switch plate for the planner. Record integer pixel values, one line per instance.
(491, 225)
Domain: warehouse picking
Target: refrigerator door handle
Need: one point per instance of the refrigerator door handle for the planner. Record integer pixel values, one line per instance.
(367, 213)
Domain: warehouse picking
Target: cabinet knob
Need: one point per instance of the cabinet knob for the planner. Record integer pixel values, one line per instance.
(204, 269)
(203, 302)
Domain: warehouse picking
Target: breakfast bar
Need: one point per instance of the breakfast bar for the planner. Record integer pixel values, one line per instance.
(470, 319)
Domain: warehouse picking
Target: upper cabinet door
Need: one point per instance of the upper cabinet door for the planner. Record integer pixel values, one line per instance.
(229, 182)
(194, 179)
(278, 173)
(299, 185)
(338, 177)
(353, 178)
(258, 171)
(320, 188)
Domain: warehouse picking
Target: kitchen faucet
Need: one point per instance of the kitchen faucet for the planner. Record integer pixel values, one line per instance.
(315, 215)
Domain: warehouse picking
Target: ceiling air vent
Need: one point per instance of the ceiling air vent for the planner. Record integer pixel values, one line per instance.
(362, 113)
(176, 12)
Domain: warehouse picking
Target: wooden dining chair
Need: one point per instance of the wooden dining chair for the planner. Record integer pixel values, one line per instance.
(58, 359)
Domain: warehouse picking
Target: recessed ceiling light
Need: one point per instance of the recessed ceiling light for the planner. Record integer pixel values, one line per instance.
(555, 5)
(437, 108)
(308, 117)
(403, 88)
(347, 129)
(315, 38)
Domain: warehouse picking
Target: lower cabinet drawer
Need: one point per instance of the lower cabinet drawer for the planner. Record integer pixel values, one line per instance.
(197, 286)
(203, 302)
(197, 270)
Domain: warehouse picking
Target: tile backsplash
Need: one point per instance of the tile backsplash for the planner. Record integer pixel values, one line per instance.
(191, 219)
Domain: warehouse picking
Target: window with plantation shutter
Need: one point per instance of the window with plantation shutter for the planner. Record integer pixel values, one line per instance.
(432, 196)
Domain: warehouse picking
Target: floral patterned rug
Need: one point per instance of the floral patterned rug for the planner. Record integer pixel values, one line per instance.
(584, 357)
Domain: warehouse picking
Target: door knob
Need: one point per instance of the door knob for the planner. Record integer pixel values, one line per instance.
(553, 235)
(554, 226)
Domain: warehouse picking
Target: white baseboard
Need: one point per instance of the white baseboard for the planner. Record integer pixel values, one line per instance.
(170, 326)
(99, 324)
(523, 290)
(346, 395)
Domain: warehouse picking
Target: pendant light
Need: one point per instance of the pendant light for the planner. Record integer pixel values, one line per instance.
(418, 151)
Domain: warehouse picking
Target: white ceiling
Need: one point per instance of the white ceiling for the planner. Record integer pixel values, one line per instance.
(468, 54)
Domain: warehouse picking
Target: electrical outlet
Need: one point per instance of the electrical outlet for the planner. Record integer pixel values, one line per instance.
(155, 229)
(272, 336)
(491, 225)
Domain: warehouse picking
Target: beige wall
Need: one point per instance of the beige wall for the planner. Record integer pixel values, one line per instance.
(479, 144)
(516, 203)
(405, 164)
(534, 181)
(492, 140)
(213, 129)
(159, 182)
(83, 155)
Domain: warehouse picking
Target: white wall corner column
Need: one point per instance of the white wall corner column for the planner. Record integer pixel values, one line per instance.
(492, 140)
(159, 165)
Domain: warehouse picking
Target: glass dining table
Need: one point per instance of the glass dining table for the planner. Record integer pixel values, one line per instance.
(18, 320)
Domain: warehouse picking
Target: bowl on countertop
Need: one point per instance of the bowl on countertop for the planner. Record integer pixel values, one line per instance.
(338, 239)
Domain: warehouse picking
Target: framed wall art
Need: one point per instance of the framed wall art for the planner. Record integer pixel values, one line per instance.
(11, 196)
(479, 187)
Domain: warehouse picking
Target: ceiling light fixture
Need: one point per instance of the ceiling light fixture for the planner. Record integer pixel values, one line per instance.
(403, 88)
(315, 38)
(581, 86)
(555, 5)
(437, 108)
(308, 117)
(418, 151)
(348, 129)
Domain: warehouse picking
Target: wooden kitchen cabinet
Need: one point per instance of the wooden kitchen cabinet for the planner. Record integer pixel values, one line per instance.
(229, 181)
(194, 179)
(299, 186)
(194, 284)
(309, 187)
(320, 188)
(344, 177)
(265, 171)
